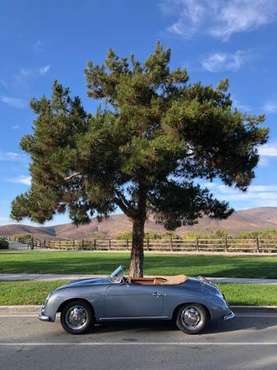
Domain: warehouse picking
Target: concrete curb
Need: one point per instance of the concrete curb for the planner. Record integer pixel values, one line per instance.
(34, 309)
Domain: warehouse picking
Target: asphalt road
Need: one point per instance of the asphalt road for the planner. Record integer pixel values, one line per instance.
(247, 342)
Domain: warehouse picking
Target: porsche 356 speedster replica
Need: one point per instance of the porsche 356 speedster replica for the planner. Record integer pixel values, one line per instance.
(191, 302)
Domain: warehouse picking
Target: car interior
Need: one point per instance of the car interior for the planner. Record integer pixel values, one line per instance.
(160, 280)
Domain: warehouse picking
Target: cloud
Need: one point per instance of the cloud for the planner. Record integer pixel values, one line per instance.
(13, 102)
(257, 194)
(9, 156)
(219, 61)
(268, 150)
(220, 19)
(24, 180)
(29, 73)
(38, 46)
(271, 106)
(43, 70)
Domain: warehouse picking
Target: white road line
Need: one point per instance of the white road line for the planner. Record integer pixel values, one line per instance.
(19, 315)
(103, 344)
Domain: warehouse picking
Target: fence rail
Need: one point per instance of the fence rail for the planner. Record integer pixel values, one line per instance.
(225, 245)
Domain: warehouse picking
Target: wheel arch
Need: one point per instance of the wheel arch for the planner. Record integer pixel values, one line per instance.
(176, 309)
(60, 308)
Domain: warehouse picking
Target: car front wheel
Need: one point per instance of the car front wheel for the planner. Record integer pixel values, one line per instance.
(192, 318)
(76, 317)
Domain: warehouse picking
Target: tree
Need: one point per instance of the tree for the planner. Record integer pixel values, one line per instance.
(145, 151)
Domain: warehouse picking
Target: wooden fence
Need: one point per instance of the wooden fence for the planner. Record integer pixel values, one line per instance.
(226, 245)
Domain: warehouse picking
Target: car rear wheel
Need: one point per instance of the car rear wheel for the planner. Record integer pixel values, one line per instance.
(192, 318)
(76, 317)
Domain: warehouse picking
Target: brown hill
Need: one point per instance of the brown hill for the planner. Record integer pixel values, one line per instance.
(245, 220)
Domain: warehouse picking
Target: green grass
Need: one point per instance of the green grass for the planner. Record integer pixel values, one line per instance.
(26, 292)
(246, 294)
(34, 292)
(155, 264)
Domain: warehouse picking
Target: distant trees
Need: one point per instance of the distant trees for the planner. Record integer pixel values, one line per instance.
(144, 150)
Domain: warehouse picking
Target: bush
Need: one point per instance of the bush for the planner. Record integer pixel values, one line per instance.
(4, 244)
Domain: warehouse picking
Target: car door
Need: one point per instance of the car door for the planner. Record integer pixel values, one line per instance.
(126, 300)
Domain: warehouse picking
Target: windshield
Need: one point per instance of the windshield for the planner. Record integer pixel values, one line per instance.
(117, 275)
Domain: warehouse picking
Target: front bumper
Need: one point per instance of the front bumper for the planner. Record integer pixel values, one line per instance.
(43, 317)
(229, 316)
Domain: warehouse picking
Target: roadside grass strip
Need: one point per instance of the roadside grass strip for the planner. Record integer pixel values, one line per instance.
(35, 292)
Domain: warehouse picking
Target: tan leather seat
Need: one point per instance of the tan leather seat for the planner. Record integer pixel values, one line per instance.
(160, 280)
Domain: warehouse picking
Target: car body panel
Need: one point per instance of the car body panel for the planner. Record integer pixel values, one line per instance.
(124, 300)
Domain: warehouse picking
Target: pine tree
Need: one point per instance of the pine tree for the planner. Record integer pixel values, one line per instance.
(153, 139)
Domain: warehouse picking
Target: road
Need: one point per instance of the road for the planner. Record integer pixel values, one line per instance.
(248, 342)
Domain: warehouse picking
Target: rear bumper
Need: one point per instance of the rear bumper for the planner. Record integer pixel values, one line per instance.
(229, 316)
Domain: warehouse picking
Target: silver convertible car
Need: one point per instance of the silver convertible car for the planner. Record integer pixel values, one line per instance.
(190, 302)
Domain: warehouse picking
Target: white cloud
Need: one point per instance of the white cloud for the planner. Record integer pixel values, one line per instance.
(26, 74)
(271, 106)
(24, 180)
(10, 156)
(43, 70)
(38, 46)
(255, 193)
(218, 62)
(13, 102)
(218, 18)
(268, 150)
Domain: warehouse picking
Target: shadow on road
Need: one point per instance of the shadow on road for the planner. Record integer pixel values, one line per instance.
(235, 325)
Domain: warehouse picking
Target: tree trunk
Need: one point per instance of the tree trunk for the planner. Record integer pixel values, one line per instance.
(137, 255)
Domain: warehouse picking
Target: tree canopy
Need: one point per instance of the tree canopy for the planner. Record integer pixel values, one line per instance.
(154, 138)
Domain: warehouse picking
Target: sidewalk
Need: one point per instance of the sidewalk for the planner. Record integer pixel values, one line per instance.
(51, 277)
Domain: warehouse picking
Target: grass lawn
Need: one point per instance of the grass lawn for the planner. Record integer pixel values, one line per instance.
(155, 264)
(34, 292)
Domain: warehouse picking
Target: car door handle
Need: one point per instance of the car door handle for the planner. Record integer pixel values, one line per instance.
(158, 294)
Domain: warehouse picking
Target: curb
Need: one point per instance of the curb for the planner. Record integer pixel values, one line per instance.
(34, 309)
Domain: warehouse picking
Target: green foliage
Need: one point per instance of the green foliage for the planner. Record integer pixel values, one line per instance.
(4, 244)
(266, 234)
(206, 234)
(24, 238)
(149, 235)
(143, 151)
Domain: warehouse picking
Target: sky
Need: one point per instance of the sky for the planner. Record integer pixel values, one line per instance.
(41, 41)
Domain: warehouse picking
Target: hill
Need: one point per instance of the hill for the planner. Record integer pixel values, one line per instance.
(244, 220)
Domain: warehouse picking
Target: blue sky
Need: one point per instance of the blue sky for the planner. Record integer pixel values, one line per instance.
(41, 41)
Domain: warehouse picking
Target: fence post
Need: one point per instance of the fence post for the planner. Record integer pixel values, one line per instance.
(226, 244)
(147, 243)
(197, 245)
(32, 244)
(171, 243)
(110, 244)
(94, 244)
(258, 244)
(127, 244)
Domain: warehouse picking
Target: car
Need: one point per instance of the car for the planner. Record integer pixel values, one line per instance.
(191, 302)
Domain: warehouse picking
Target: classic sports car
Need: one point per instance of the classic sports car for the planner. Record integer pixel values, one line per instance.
(190, 302)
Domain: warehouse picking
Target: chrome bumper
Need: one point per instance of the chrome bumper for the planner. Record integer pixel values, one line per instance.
(43, 317)
(230, 316)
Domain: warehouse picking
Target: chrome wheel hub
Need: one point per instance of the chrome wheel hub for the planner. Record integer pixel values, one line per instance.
(76, 317)
(191, 317)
